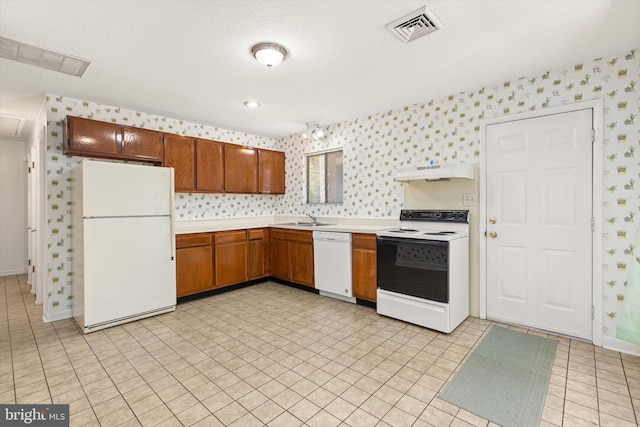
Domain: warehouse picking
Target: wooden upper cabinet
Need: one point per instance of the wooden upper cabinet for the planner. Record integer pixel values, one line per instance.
(209, 166)
(92, 138)
(141, 144)
(240, 169)
(180, 154)
(270, 172)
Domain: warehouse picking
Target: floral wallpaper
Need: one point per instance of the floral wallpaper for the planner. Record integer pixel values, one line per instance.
(188, 206)
(445, 130)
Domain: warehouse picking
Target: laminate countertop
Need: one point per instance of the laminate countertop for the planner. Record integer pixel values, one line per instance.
(344, 225)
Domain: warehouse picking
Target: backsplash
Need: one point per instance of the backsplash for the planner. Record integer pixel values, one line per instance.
(446, 130)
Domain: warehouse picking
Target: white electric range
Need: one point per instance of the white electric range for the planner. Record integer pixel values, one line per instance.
(423, 269)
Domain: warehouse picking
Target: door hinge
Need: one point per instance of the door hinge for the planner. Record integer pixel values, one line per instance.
(593, 312)
(593, 224)
(33, 269)
(29, 262)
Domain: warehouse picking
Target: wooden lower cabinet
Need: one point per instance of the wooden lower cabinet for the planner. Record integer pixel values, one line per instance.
(194, 263)
(363, 258)
(292, 256)
(230, 257)
(258, 253)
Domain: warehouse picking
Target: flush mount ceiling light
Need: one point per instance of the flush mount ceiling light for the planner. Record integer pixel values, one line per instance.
(252, 104)
(33, 55)
(313, 130)
(269, 54)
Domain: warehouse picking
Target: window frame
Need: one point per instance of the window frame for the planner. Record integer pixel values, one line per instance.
(326, 181)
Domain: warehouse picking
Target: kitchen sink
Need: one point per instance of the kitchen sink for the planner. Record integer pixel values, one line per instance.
(305, 224)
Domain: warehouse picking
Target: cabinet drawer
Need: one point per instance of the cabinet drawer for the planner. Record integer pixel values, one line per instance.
(294, 235)
(231, 236)
(255, 234)
(189, 240)
(365, 241)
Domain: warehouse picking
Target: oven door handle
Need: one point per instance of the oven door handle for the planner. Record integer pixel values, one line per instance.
(412, 241)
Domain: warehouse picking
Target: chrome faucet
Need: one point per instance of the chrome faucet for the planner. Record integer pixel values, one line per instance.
(315, 219)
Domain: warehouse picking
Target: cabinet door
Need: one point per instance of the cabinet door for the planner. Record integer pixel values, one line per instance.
(363, 258)
(271, 172)
(280, 259)
(256, 259)
(240, 169)
(302, 263)
(194, 270)
(91, 138)
(141, 144)
(230, 257)
(209, 166)
(179, 153)
(258, 246)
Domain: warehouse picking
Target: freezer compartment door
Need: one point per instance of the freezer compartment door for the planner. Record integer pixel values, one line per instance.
(120, 189)
(128, 267)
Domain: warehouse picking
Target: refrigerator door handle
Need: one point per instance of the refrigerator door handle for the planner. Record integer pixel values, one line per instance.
(172, 212)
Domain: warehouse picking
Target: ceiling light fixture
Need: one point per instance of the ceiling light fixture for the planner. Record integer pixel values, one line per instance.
(33, 55)
(269, 54)
(252, 104)
(313, 130)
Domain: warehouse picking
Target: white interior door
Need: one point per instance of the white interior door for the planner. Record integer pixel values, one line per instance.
(539, 222)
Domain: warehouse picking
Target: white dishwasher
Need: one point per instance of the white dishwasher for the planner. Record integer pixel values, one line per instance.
(332, 264)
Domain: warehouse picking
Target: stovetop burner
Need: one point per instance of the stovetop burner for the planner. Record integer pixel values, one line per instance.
(431, 225)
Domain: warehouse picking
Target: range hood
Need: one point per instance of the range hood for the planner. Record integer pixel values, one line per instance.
(434, 173)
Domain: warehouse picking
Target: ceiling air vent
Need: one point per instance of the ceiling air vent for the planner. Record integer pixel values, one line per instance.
(414, 25)
(11, 126)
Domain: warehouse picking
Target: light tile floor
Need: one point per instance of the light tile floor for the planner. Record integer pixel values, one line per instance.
(274, 355)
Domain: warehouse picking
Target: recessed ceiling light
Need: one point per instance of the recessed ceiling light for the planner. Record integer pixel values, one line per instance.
(33, 55)
(252, 104)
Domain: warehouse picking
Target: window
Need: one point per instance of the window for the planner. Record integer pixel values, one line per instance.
(324, 177)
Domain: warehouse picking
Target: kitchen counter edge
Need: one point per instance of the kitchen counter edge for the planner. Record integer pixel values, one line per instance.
(209, 226)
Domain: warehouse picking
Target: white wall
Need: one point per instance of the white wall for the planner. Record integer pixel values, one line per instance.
(13, 208)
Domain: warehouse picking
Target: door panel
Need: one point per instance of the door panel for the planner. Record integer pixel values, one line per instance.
(539, 186)
(128, 267)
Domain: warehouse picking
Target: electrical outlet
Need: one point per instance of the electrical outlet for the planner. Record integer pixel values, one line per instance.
(469, 199)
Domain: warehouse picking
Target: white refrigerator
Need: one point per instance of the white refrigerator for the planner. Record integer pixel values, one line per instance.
(123, 242)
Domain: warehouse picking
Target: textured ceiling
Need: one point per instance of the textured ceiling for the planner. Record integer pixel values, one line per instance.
(191, 59)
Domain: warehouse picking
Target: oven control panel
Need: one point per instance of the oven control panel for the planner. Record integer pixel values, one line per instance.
(434, 215)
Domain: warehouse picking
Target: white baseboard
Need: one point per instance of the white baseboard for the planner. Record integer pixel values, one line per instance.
(616, 344)
(60, 315)
(12, 272)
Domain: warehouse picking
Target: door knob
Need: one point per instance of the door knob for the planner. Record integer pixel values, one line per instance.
(492, 220)
(493, 234)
